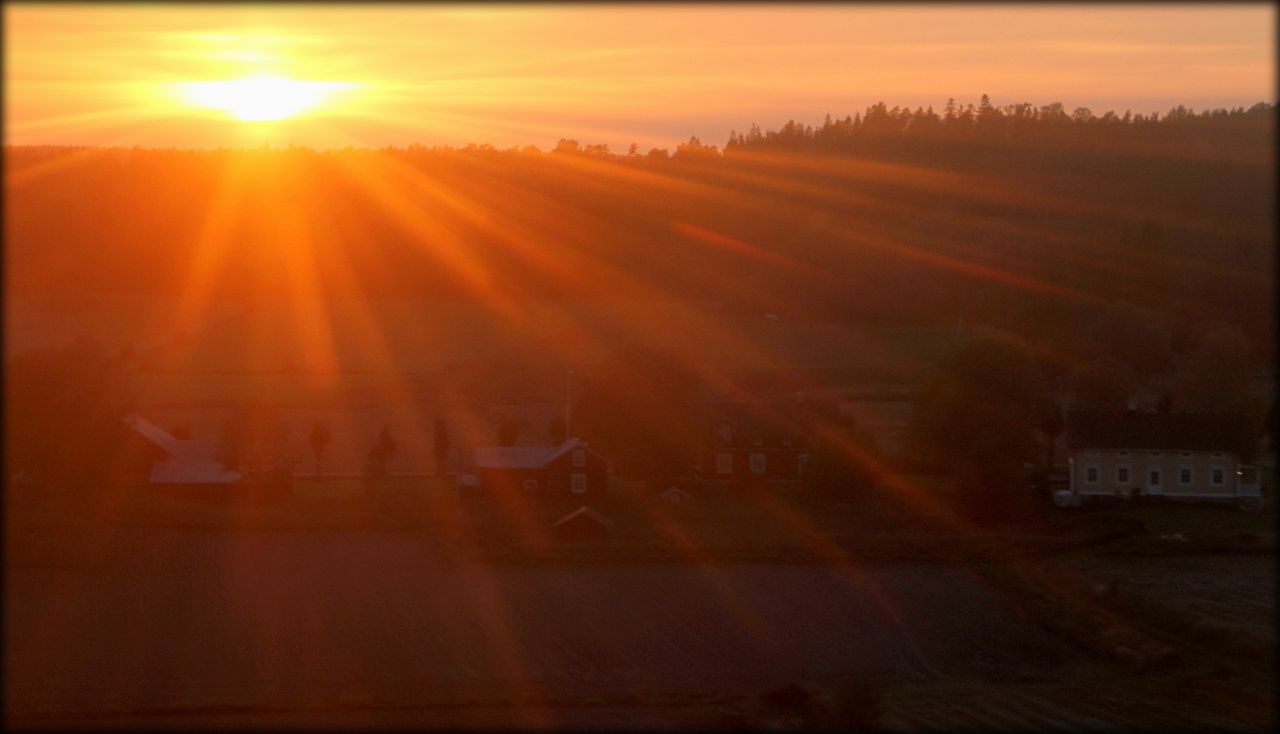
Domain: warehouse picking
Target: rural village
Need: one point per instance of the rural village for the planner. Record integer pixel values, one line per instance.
(761, 367)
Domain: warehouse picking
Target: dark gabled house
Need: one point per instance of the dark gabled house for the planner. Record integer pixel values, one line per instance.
(754, 442)
(1174, 455)
(571, 469)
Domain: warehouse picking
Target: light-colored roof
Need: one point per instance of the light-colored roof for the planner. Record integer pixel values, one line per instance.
(522, 457)
(192, 471)
(588, 512)
(153, 433)
(189, 462)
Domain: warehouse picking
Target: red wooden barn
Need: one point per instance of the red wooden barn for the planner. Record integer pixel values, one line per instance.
(570, 469)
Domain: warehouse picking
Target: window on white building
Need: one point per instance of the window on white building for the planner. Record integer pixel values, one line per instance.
(1184, 454)
(1153, 478)
(1091, 474)
(578, 483)
(1218, 476)
(724, 463)
(1186, 477)
(1157, 453)
(1122, 452)
(1122, 474)
(579, 457)
(757, 463)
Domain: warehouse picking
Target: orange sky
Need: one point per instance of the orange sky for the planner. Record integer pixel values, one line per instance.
(651, 74)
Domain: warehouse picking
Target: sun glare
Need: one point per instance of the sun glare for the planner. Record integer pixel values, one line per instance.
(261, 98)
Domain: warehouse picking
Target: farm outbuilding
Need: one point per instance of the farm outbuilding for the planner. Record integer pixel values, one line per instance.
(569, 469)
(582, 523)
(675, 496)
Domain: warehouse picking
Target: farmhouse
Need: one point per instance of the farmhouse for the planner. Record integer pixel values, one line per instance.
(572, 468)
(1172, 455)
(756, 441)
(177, 461)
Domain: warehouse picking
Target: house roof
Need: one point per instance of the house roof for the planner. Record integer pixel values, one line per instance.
(188, 462)
(151, 432)
(1134, 430)
(523, 457)
(584, 512)
(192, 471)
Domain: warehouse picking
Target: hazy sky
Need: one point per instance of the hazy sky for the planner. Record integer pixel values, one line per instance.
(616, 74)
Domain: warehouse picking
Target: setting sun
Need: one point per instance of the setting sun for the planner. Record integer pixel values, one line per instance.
(261, 98)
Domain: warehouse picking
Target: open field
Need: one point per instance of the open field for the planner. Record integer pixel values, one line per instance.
(191, 627)
(338, 606)
(215, 619)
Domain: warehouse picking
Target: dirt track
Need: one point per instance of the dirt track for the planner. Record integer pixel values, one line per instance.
(201, 619)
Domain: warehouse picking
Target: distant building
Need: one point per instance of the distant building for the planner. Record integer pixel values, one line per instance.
(754, 441)
(177, 461)
(583, 522)
(675, 496)
(1173, 455)
(572, 469)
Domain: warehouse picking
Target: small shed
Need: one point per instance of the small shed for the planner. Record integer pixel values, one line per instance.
(583, 522)
(675, 496)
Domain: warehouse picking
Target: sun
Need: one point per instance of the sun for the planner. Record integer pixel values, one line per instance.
(262, 98)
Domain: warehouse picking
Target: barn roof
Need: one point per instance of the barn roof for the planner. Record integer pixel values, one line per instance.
(523, 457)
(1134, 430)
(151, 432)
(584, 512)
(188, 462)
(192, 471)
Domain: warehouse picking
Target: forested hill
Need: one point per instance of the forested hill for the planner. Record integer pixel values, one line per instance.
(961, 132)
(1023, 216)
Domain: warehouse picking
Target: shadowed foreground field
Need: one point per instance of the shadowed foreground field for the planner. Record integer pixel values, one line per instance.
(188, 620)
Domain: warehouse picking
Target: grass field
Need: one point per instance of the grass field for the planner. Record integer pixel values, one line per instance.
(342, 605)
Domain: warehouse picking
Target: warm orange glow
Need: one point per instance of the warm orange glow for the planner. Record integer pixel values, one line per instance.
(262, 98)
(521, 75)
